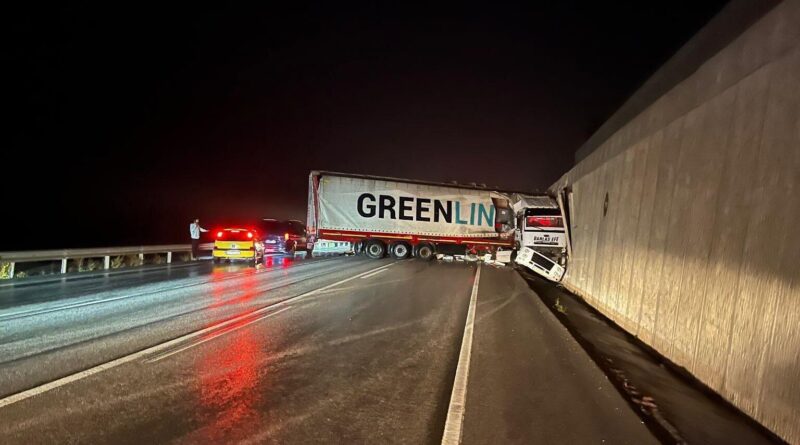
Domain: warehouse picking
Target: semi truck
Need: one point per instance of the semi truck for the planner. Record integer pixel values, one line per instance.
(405, 218)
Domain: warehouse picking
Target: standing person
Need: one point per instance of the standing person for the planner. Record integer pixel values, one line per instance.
(194, 232)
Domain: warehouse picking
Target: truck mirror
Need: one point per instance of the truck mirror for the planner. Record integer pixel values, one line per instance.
(504, 216)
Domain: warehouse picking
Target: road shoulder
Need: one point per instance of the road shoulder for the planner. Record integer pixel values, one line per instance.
(531, 382)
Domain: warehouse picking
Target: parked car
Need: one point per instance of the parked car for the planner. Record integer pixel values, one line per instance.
(238, 244)
(285, 236)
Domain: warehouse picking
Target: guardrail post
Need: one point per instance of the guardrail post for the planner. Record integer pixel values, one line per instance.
(106, 262)
(63, 265)
(169, 257)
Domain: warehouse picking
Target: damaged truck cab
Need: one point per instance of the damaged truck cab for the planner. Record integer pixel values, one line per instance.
(541, 235)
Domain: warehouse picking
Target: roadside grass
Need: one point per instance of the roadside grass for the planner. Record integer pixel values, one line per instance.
(5, 271)
(133, 260)
(118, 262)
(559, 307)
(88, 264)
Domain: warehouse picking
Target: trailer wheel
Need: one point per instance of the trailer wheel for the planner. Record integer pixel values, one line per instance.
(375, 249)
(425, 251)
(400, 250)
(358, 248)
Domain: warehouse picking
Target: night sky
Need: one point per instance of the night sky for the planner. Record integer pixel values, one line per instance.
(127, 123)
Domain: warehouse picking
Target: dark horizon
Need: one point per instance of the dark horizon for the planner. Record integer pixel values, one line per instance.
(129, 123)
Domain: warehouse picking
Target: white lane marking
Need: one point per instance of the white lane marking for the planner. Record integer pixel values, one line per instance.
(47, 310)
(14, 398)
(458, 398)
(34, 312)
(372, 274)
(213, 336)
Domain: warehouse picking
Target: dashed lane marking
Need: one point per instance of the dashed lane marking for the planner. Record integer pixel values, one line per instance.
(213, 336)
(373, 274)
(23, 395)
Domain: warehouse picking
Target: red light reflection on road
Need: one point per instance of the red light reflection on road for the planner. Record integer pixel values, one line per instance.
(228, 372)
(243, 288)
(229, 388)
(273, 261)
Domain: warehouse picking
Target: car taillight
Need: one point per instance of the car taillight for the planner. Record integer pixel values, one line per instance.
(286, 236)
(219, 234)
(249, 234)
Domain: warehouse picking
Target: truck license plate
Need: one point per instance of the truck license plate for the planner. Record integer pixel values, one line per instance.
(233, 252)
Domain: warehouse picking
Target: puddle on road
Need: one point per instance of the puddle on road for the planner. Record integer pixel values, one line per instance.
(674, 405)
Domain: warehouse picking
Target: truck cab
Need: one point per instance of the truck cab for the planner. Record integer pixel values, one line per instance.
(540, 226)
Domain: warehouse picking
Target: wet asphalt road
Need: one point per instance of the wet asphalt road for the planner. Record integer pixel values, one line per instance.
(341, 350)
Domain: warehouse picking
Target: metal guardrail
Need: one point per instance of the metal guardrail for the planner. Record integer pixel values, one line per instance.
(64, 255)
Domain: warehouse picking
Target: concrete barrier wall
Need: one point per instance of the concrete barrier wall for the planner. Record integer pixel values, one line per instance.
(698, 250)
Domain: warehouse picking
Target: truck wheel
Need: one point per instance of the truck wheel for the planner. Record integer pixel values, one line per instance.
(425, 251)
(375, 249)
(400, 251)
(358, 248)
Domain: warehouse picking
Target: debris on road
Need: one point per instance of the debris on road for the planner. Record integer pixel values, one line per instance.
(503, 256)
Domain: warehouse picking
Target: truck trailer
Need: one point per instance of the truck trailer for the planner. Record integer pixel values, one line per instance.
(404, 218)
